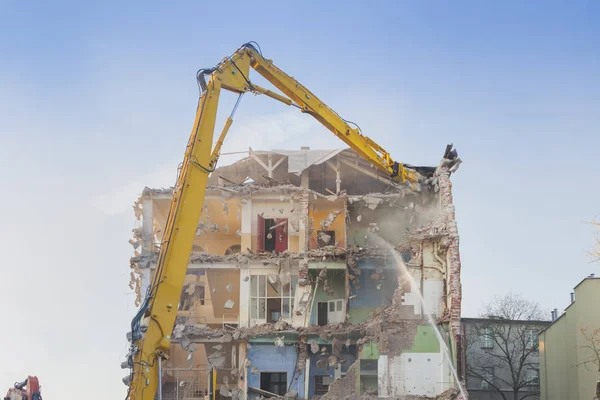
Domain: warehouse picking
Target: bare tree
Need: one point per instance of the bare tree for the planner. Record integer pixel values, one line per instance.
(502, 347)
(591, 352)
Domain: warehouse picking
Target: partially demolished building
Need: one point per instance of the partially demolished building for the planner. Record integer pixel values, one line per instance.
(290, 292)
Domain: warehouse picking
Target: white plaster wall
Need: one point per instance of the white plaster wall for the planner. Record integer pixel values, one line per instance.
(244, 296)
(433, 290)
(246, 216)
(145, 275)
(413, 298)
(418, 374)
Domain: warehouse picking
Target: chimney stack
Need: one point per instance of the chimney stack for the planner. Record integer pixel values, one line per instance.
(572, 297)
(592, 275)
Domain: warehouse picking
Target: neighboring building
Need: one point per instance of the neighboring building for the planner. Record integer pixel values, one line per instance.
(570, 347)
(502, 358)
(287, 290)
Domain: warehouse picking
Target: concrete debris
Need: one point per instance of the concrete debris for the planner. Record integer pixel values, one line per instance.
(238, 233)
(314, 347)
(254, 371)
(359, 218)
(327, 222)
(281, 325)
(229, 287)
(337, 347)
(279, 341)
(279, 224)
(291, 395)
(178, 330)
(217, 359)
(325, 238)
(224, 391)
(226, 338)
(332, 361)
(190, 356)
(218, 347)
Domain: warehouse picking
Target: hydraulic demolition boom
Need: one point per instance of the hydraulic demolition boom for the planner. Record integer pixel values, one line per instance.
(152, 326)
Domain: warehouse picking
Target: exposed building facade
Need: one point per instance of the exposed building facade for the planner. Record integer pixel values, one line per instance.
(570, 347)
(502, 358)
(290, 290)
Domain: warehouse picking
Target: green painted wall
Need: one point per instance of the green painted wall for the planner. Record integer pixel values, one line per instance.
(369, 352)
(360, 314)
(425, 341)
(336, 279)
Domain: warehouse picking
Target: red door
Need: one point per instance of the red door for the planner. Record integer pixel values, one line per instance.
(281, 235)
(260, 234)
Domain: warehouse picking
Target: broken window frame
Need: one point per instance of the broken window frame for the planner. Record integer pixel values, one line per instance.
(532, 377)
(260, 283)
(321, 243)
(487, 375)
(530, 339)
(279, 382)
(487, 338)
(320, 387)
(188, 301)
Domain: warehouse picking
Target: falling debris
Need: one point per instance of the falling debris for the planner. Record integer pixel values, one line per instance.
(229, 304)
(327, 222)
(314, 347)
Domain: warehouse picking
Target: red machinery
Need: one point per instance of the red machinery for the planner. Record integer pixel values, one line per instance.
(29, 389)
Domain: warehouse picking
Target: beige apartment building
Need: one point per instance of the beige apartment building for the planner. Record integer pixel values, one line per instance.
(570, 347)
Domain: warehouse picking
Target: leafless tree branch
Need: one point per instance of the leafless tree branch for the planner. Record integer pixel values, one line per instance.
(510, 323)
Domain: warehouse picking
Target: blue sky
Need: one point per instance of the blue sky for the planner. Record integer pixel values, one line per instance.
(98, 100)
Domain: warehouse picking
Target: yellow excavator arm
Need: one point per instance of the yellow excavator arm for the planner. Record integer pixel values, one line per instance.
(152, 326)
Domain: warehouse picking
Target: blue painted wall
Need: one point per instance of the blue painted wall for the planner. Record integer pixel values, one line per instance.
(368, 297)
(270, 358)
(348, 354)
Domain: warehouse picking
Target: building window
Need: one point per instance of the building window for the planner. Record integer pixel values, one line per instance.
(530, 339)
(487, 377)
(274, 382)
(322, 384)
(270, 300)
(330, 312)
(325, 238)
(532, 379)
(487, 338)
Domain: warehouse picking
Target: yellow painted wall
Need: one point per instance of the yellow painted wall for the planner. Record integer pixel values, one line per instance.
(318, 212)
(178, 357)
(213, 309)
(563, 373)
(227, 214)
